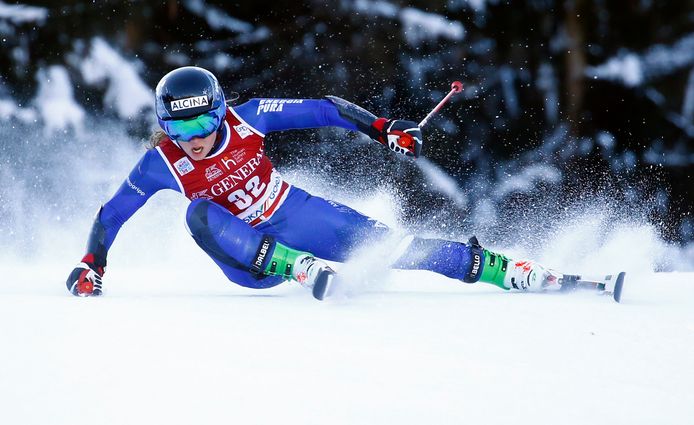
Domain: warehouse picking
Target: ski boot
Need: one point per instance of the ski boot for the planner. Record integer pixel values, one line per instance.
(309, 271)
(314, 274)
(507, 274)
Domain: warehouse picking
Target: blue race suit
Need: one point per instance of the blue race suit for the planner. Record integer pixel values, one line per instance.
(326, 229)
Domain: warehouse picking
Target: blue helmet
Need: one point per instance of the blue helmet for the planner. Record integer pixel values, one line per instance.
(190, 103)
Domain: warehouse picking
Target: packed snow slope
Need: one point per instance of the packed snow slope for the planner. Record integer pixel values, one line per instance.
(173, 342)
(180, 346)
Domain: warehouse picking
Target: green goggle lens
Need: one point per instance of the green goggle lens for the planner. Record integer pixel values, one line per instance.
(185, 130)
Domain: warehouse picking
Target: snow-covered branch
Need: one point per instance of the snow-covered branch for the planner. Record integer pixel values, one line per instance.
(19, 14)
(126, 93)
(417, 26)
(634, 69)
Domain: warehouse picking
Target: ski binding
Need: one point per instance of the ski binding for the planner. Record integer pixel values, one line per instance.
(609, 285)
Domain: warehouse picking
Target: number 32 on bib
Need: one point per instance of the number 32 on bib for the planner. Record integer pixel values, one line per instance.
(243, 199)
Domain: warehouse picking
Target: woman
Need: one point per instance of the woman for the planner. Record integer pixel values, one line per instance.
(259, 229)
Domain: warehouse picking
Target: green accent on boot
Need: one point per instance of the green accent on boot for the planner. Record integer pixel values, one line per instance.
(282, 261)
(494, 270)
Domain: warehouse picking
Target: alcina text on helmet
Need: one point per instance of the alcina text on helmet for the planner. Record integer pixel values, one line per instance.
(188, 103)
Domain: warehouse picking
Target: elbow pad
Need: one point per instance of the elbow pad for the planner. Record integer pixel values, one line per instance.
(354, 114)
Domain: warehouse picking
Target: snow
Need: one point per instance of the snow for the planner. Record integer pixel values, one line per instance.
(174, 342)
(678, 156)
(21, 14)
(476, 5)
(216, 18)
(547, 82)
(507, 77)
(181, 346)
(55, 101)
(417, 26)
(688, 102)
(10, 110)
(442, 182)
(634, 69)
(626, 68)
(223, 61)
(256, 36)
(374, 8)
(606, 140)
(419, 68)
(526, 179)
(126, 93)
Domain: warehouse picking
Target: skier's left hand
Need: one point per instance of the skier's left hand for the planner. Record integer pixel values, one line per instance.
(400, 136)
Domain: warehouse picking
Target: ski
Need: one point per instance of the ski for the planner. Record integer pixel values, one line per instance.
(324, 284)
(609, 285)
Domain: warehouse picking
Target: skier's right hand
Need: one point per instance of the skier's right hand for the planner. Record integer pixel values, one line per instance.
(400, 136)
(85, 279)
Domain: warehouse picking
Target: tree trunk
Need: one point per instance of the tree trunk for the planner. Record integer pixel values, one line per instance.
(575, 62)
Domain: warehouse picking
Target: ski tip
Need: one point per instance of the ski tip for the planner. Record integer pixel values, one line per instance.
(618, 284)
(323, 284)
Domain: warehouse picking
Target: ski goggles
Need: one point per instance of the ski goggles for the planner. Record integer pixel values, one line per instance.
(187, 129)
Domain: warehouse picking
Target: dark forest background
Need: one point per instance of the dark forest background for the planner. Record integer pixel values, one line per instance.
(600, 91)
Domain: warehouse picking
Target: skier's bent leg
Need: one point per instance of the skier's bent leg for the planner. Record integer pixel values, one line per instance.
(472, 263)
(247, 256)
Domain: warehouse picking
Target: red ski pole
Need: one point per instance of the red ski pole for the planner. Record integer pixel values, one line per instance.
(456, 87)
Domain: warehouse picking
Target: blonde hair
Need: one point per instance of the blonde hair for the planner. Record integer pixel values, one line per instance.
(156, 138)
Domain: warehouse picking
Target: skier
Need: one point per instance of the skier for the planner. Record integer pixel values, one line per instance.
(259, 229)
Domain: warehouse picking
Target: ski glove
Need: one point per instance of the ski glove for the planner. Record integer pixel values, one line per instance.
(400, 136)
(85, 279)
